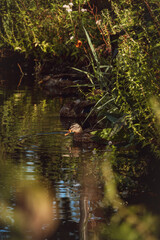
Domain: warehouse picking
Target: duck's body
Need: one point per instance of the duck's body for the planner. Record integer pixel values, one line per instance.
(76, 108)
(68, 111)
(57, 85)
(79, 134)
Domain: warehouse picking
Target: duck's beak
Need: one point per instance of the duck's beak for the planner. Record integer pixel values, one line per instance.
(69, 131)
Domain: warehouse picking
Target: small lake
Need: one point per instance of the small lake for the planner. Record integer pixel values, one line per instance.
(51, 188)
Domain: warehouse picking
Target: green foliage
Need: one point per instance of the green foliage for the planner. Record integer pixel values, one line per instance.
(40, 27)
(134, 76)
(98, 71)
(127, 80)
(136, 67)
(123, 172)
(135, 223)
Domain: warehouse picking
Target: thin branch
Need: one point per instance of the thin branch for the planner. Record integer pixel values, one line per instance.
(21, 75)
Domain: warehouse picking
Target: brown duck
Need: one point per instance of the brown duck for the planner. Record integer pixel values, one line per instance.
(80, 135)
(77, 108)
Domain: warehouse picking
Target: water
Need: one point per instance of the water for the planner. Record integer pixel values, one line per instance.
(52, 189)
(49, 187)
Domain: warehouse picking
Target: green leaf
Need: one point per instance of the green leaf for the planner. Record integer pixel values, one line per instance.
(91, 46)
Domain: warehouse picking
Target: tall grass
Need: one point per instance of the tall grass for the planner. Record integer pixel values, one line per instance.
(134, 73)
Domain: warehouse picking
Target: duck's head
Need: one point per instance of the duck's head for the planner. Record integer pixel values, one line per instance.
(75, 128)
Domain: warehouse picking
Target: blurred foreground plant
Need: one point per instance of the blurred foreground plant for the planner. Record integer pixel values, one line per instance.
(26, 207)
(127, 222)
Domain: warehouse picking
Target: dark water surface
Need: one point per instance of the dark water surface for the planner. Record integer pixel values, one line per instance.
(52, 189)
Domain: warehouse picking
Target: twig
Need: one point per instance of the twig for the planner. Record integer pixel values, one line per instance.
(21, 75)
(153, 16)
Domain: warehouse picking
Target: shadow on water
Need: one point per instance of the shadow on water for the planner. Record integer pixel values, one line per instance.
(53, 189)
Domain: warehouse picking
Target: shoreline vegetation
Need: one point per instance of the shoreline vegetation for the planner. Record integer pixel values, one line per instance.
(114, 44)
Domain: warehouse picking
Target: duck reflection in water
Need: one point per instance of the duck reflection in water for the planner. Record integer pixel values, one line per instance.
(91, 195)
